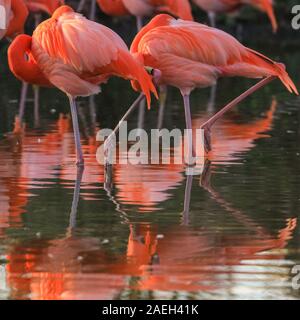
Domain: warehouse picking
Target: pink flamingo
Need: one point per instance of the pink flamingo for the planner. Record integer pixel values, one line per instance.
(51, 58)
(192, 55)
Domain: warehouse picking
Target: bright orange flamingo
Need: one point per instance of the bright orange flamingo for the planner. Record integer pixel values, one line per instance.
(200, 55)
(16, 15)
(51, 57)
(142, 8)
(213, 7)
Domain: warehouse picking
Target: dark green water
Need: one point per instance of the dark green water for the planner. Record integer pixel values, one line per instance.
(132, 238)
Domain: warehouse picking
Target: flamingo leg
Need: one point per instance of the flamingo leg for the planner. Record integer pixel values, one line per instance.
(73, 215)
(212, 19)
(36, 92)
(37, 19)
(22, 104)
(208, 124)
(79, 153)
(93, 11)
(136, 103)
(187, 199)
(163, 93)
(139, 23)
(212, 99)
(81, 5)
(189, 127)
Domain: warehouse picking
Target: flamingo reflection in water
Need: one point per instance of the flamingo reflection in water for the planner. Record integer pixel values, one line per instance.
(185, 258)
(134, 186)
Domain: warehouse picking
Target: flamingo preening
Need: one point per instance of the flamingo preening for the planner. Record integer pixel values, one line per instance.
(191, 55)
(51, 58)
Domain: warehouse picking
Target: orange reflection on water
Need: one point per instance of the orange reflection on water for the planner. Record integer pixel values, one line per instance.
(183, 259)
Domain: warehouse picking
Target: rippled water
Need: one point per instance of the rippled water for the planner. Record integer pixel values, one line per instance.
(149, 231)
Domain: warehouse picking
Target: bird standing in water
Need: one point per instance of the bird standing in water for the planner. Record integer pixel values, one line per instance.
(75, 55)
(190, 55)
(213, 7)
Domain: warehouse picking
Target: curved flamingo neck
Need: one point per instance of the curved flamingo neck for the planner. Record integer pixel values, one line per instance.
(22, 63)
(20, 14)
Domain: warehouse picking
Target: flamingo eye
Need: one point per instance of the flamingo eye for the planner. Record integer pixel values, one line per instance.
(26, 57)
(150, 70)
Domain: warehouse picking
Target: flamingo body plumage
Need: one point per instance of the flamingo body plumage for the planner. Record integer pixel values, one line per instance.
(75, 55)
(68, 53)
(200, 55)
(191, 55)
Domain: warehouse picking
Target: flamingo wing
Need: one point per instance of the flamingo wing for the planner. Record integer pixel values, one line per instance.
(193, 42)
(77, 54)
(77, 42)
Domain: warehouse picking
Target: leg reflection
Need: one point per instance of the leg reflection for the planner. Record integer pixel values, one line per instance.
(73, 215)
(187, 200)
(108, 187)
